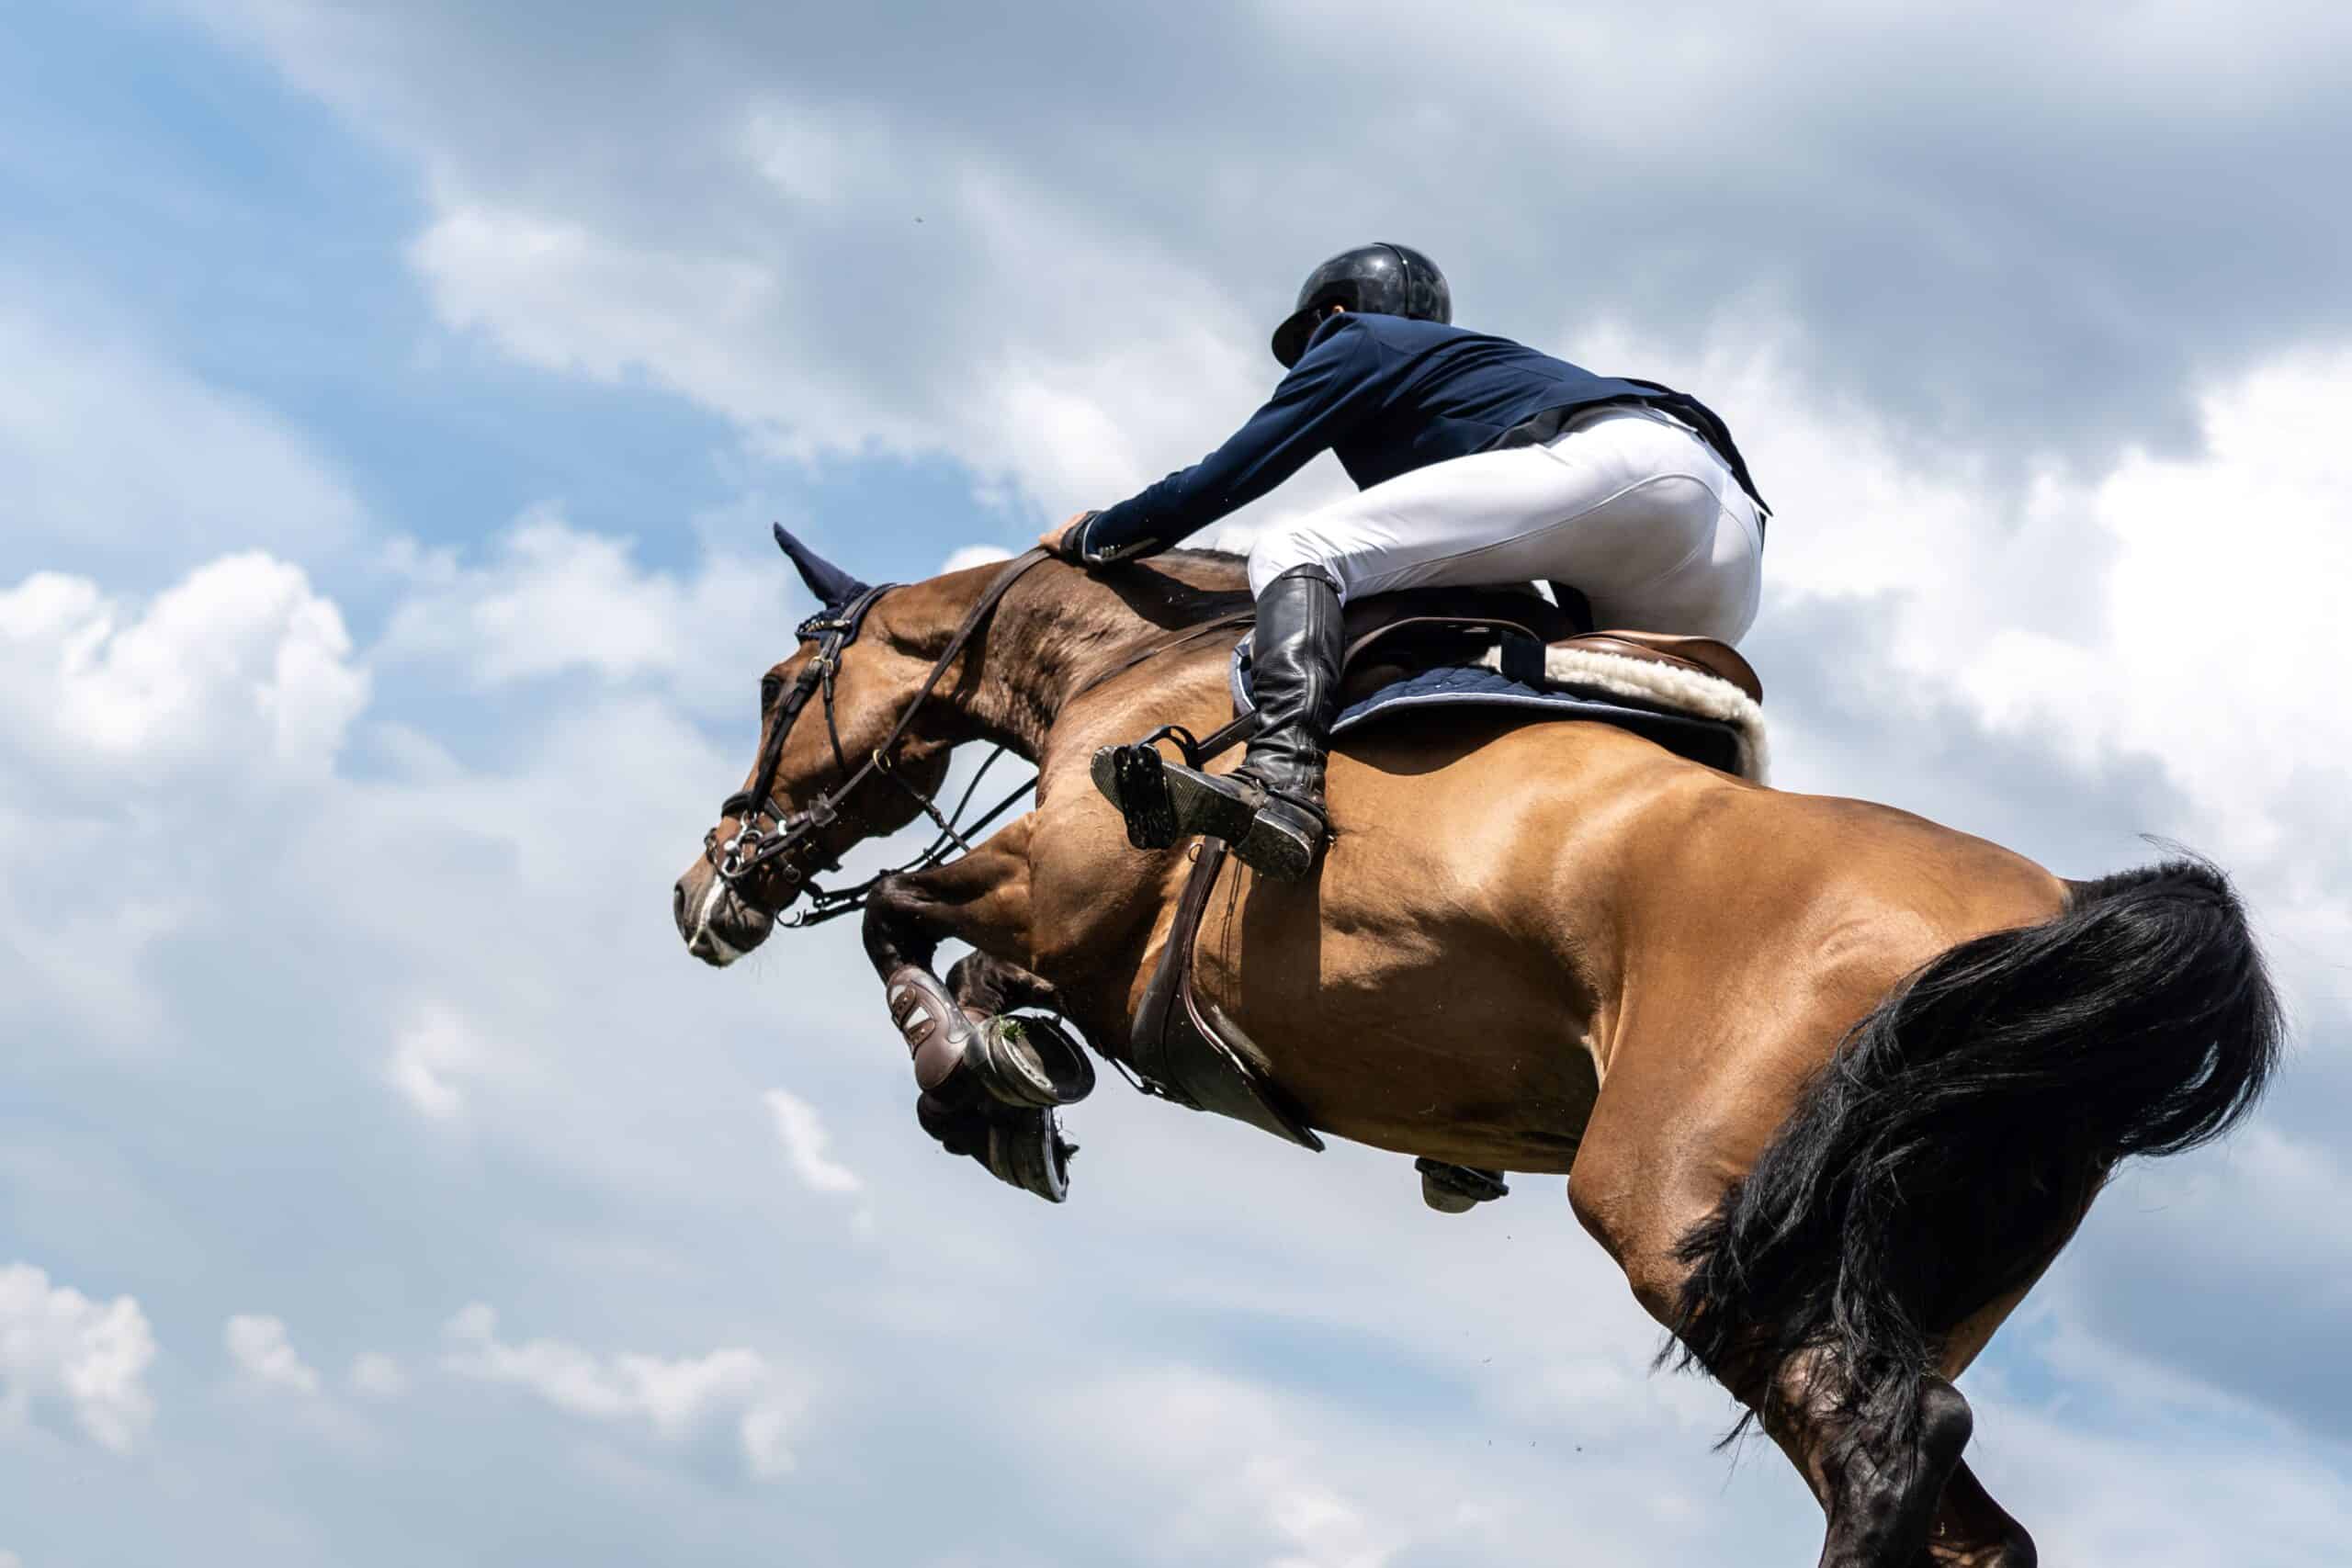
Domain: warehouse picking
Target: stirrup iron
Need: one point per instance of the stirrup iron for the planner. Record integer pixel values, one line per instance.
(1135, 779)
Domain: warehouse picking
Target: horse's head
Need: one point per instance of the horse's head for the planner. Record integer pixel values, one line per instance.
(825, 776)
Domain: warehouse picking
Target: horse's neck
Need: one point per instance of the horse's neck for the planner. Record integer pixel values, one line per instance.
(1056, 631)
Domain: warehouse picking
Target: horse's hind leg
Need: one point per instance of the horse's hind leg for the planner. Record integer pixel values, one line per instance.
(1640, 1201)
(1882, 1481)
(1974, 1531)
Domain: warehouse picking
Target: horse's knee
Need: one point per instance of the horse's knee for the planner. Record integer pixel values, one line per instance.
(988, 983)
(888, 927)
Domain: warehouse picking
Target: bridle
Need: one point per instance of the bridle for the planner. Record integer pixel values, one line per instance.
(789, 849)
(789, 846)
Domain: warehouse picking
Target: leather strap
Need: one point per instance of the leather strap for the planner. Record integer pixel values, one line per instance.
(1181, 1045)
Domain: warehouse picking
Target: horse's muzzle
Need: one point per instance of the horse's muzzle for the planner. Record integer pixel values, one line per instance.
(716, 924)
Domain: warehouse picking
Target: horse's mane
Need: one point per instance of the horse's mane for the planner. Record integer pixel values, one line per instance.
(1190, 586)
(1222, 561)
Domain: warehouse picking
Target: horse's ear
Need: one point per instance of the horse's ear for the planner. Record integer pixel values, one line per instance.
(828, 582)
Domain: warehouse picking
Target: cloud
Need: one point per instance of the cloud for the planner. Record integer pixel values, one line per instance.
(432, 1057)
(965, 556)
(377, 1375)
(239, 670)
(546, 600)
(802, 1133)
(844, 247)
(554, 599)
(212, 700)
(58, 1345)
(265, 1357)
(113, 457)
(675, 1397)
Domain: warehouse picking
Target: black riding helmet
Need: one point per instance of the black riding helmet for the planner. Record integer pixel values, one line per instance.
(1388, 280)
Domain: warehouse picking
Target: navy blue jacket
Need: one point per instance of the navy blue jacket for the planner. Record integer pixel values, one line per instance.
(1388, 395)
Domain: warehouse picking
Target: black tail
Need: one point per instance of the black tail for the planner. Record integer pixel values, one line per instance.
(1946, 1152)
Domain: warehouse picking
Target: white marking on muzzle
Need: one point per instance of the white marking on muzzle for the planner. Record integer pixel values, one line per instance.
(707, 943)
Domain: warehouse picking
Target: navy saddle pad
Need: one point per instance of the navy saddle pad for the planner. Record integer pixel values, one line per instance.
(1706, 740)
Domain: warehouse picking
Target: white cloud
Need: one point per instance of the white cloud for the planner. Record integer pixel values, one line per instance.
(432, 1058)
(2180, 609)
(112, 454)
(554, 599)
(238, 670)
(264, 1356)
(377, 1375)
(802, 1133)
(967, 555)
(59, 1346)
(546, 599)
(139, 735)
(675, 1397)
(2218, 635)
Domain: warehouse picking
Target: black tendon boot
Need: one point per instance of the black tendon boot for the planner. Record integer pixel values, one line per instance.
(1271, 808)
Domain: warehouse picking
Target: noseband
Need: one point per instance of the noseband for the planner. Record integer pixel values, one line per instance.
(788, 845)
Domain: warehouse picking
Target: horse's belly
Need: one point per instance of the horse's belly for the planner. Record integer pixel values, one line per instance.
(1439, 1038)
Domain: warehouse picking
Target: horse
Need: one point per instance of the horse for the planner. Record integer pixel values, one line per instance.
(1831, 1083)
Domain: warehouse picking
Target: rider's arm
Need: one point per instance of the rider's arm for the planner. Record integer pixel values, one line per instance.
(1314, 406)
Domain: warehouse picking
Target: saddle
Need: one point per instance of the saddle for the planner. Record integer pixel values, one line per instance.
(1406, 653)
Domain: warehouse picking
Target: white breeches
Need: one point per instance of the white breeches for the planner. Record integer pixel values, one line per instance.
(1627, 504)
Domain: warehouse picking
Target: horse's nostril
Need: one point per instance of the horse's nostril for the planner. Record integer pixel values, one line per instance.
(678, 901)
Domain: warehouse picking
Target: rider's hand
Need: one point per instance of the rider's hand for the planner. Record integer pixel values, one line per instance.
(1051, 539)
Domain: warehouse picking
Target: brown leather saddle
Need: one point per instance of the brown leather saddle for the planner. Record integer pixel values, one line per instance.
(1182, 1046)
(1392, 631)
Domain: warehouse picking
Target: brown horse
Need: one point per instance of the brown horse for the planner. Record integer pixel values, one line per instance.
(1831, 1083)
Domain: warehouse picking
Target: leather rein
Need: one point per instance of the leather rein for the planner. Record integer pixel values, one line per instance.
(789, 847)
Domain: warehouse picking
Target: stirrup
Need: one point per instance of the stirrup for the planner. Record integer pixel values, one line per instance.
(1135, 779)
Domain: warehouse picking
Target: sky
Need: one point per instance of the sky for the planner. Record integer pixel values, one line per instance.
(396, 398)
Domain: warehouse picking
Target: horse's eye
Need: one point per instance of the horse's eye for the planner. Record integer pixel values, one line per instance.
(769, 686)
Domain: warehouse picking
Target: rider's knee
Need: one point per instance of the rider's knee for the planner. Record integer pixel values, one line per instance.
(1281, 549)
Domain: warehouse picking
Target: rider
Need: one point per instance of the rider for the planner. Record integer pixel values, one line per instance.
(1480, 463)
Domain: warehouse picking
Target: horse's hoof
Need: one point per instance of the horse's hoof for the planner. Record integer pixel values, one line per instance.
(1031, 1061)
(1020, 1148)
(1026, 1149)
(1458, 1189)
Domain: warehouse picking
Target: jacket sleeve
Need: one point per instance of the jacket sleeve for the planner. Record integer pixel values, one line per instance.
(1314, 406)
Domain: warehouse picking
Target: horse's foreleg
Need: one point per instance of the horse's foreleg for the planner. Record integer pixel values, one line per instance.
(983, 983)
(982, 898)
(988, 1084)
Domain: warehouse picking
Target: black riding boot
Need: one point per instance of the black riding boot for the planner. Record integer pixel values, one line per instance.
(1271, 808)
